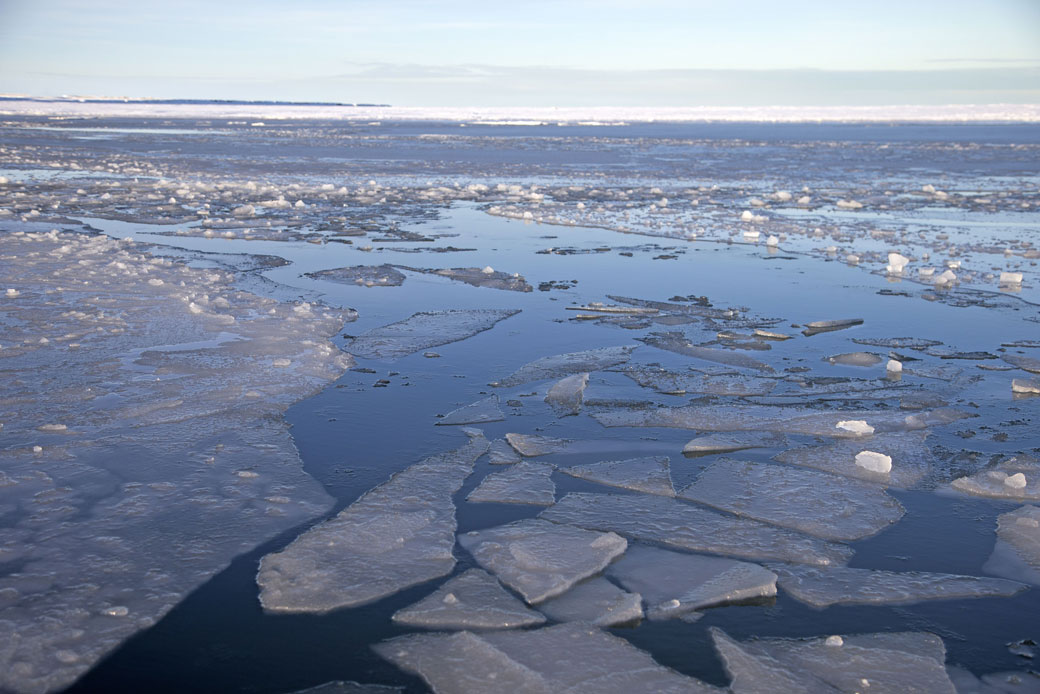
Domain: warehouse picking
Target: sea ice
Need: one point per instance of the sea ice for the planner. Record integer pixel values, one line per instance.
(911, 458)
(673, 583)
(1017, 554)
(565, 396)
(678, 383)
(567, 364)
(565, 659)
(479, 277)
(896, 263)
(650, 475)
(680, 344)
(736, 441)
(855, 359)
(824, 326)
(1016, 479)
(531, 445)
(1030, 364)
(672, 522)
(501, 453)
(526, 482)
(872, 461)
(425, 330)
(363, 275)
(341, 687)
(825, 586)
(396, 535)
(471, 600)
(856, 426)
(816, 503)
(596, 601)
(539, 559)
(1025, 386)
(483, 410)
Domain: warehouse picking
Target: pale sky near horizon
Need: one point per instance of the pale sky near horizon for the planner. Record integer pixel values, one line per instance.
(537, 53)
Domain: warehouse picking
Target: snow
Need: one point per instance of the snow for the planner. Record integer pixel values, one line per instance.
(471, 600)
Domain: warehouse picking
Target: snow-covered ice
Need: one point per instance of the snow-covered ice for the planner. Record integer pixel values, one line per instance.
(1016, 479)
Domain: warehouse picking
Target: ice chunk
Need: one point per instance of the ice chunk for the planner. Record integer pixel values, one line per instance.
(501, 453)
(874, 462)
(896, 263)
(824, 326)
(572, 658)
(1017, 553)
(425, 330)
(1027, 386)
(1016, 479)
(1030, 364)
(677, 383)
(678, 343)
(893, 366)
(673, 583)
(566, 365)
(483, 410)
(565, 396)
(816, 503)
(523, 483)
(672, 522)
(539, 559)
(1010, 278)
(397, 535)
(363, 275)
(736, 441)
(855, 359)
(911, 458)
(479, 277)
(825, 586)
(530, 445)
(855, 426)
(650, 475)
(471, 600)
(596, 601)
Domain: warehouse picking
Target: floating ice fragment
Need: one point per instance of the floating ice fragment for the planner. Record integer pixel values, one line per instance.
(424, 330)
(1027, 386)
(678, 343)
(911, 458)
(12, 293)
(855, 359)
(649, 475)
(1030, 364)
(874, 462)
(525, 482)
(896, 263)
(736, 441)
(1017, 552)
(471, 600)
(673, 583)
(596, 601)
(565, 396)
(488, 270)
(1017, 478)
(397, 535)
(1015, 481)
(855, 426)
(946, 278)
(894, 367)
(501, 453)
(566, 365)
(849, 204)
(539, 559)
(483, 410)
(362, 275)
(834, 641)
(772, 241)
(823, 326)
(531, 445)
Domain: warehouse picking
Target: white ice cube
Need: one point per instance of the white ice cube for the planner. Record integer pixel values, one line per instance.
(875, 462)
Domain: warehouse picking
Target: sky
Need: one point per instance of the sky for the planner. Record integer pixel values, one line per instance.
(528, 53)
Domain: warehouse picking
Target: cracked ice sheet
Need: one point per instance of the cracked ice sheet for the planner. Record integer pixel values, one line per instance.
(827, 506)
(650, 475)
(670, 521)
(479, 412)
(151, 361)
(890, 663)
(526, 482)
(1017, 552)
(1017, 479)
(539, 559)
(673, 583)
(566, 365)
(911, 458)
(564, 659)
(596, 601)
(471, 600)
(425, 330)
(396, 535)
(678, 383)
(822, 587)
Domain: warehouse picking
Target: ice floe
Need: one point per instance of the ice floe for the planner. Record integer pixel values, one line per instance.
(362, 275)
(736, 441)
(678, 383)
(483, 410)
(501, 453)
(531, 445)
(565, 395)
(826, 326)
(525, 482)
(1017, 552)
(562, 365)
(425, 330)
(479, 277)
(911, 458)
(596, 601)
(471, 600)
(680, 344)
(1016, 479)
(650, 475)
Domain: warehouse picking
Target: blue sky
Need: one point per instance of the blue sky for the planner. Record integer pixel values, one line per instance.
(539, 53)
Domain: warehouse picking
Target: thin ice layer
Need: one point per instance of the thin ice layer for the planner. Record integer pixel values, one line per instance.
(650, 475)
(564, 659)
(425, 330)
(479, 277)
(501, 453)
(565, 396)
(680, 344)
(471, 600)
(526, 482)
(539, 559)
(678, 383)
(911, 458)
(827, 506)
(531, 445)
(673, 583)
(679, 524)
(398, 534)
(1017, 479)
(362, 275)
(483, 410)
(1017, 552)
(596, 601)
(822, 587)
(562, 365)
(736, 441)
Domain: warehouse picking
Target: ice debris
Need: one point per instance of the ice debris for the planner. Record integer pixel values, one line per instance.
(471, 600)
(596, 601)
(736, 441)
(855, 426)
(526, 482)
(673, 583)
(911, 458)
(483, 410)
(1017, 479)
(816, 503)
(396, 535)
(425, 330)
(1030, 364)
(824, 326)
(565, 396)
(479, 277)
(566, 365)
(650, 475)
(1017, 552)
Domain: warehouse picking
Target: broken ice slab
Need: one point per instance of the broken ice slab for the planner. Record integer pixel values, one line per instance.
(483, 410)
(479, 277)
(396, 535)
(1025, 386)
(531, 445)
(472, 600)
(897, 342)
(673, 583)
(596, 601)
(425, 330)
(678, 383)
(539, 559)
(523, 483)
(1017, 552)
(562, 365)
(650, 475)
(827, 506)
(501, 453)
(736, 441)
(680, 344)
(855, 359)
(341, 687)
(565, 396)
(573, 658)
(672, 522)
(911, 458)
(825, 586)
(1016, 479)
(363, 275)
(826, 326)
(893, 663)
(623, 310)
(1029, 364)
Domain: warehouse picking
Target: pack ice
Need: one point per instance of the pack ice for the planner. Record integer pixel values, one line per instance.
(425, 330)
(143, 441)
(570, 364)
(396, 535)
(471, 600)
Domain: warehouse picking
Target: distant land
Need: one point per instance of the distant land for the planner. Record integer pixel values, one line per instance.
(146, 100)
